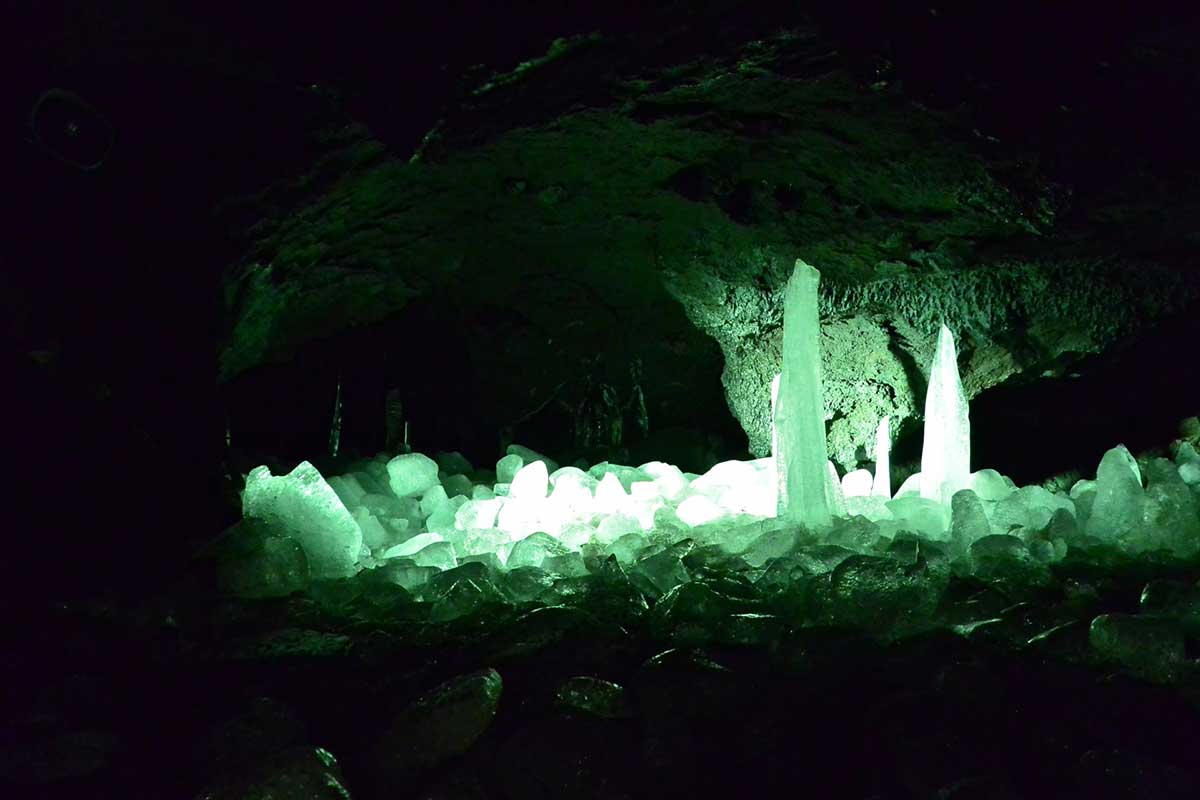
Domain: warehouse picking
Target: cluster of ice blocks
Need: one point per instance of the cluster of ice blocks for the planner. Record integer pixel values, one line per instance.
(410, 510)
(411, 513)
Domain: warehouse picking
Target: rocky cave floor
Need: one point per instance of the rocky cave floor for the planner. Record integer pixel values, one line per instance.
(733, 684)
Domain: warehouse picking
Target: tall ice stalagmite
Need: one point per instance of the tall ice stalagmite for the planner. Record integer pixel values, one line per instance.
(946, 454)
(882, 485)
(800, 457)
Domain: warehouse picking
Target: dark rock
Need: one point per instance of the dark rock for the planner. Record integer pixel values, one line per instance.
(883, 596)
(266, 727)
(1149, 647)
(305, 771)
(291, 644)
(440, 725)
(1107, 773)
(575, 758)
(592, 697)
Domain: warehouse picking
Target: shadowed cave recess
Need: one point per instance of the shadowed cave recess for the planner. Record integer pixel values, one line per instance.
(696, 400)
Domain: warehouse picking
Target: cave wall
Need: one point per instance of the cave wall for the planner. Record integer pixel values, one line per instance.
(590, 203)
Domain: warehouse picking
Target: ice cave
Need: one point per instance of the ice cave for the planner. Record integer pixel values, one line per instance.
(491, 402)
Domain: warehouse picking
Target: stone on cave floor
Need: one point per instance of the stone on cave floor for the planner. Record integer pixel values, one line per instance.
(453, 463)
(627, 548)
(576, 634)
(689, 614)
(253, 562)
(1109, 772)
(658, 574)
(770, 544)
(1006, 563)
(457, 485)
(1176, 599)
(302, 506)
(439, 725)
(264, 727)
(585, 695)
(569, 757)
(819, 559)
(290, 644)
(883, 596)
(568, 565)
(304, 771)
(1148, 646)
(407, 574)
(1068, 642)
(526, 584)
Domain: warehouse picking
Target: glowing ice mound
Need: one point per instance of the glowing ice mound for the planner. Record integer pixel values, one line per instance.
(302, 506)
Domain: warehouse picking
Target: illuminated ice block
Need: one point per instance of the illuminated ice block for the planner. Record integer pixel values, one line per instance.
(881, 486)
(301, 505)
(668, 479)
(507, 467)
(411, 474)
(1117, 511)
(477, 514)
(946, 454)
(414, 545)
(532, 482)
(857, 483)
(800, 410)
(529, 456)
(968, 523)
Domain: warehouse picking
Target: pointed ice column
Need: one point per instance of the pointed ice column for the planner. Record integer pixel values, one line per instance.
(800, 456)
(774, 405)
(946, 455)
(882, 485)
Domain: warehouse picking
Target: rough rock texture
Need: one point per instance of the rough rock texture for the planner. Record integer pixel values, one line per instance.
(555, 212)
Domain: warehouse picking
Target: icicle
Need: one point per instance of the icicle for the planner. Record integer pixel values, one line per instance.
(335, 428)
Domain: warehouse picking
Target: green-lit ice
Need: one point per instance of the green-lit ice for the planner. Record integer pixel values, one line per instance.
(302, 506)
(946, 455)
(800, 411)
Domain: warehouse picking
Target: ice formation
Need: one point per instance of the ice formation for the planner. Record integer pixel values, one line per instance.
(946, 455)
(803, 486)
(407, 518)
(303, 507)
(881, 485)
